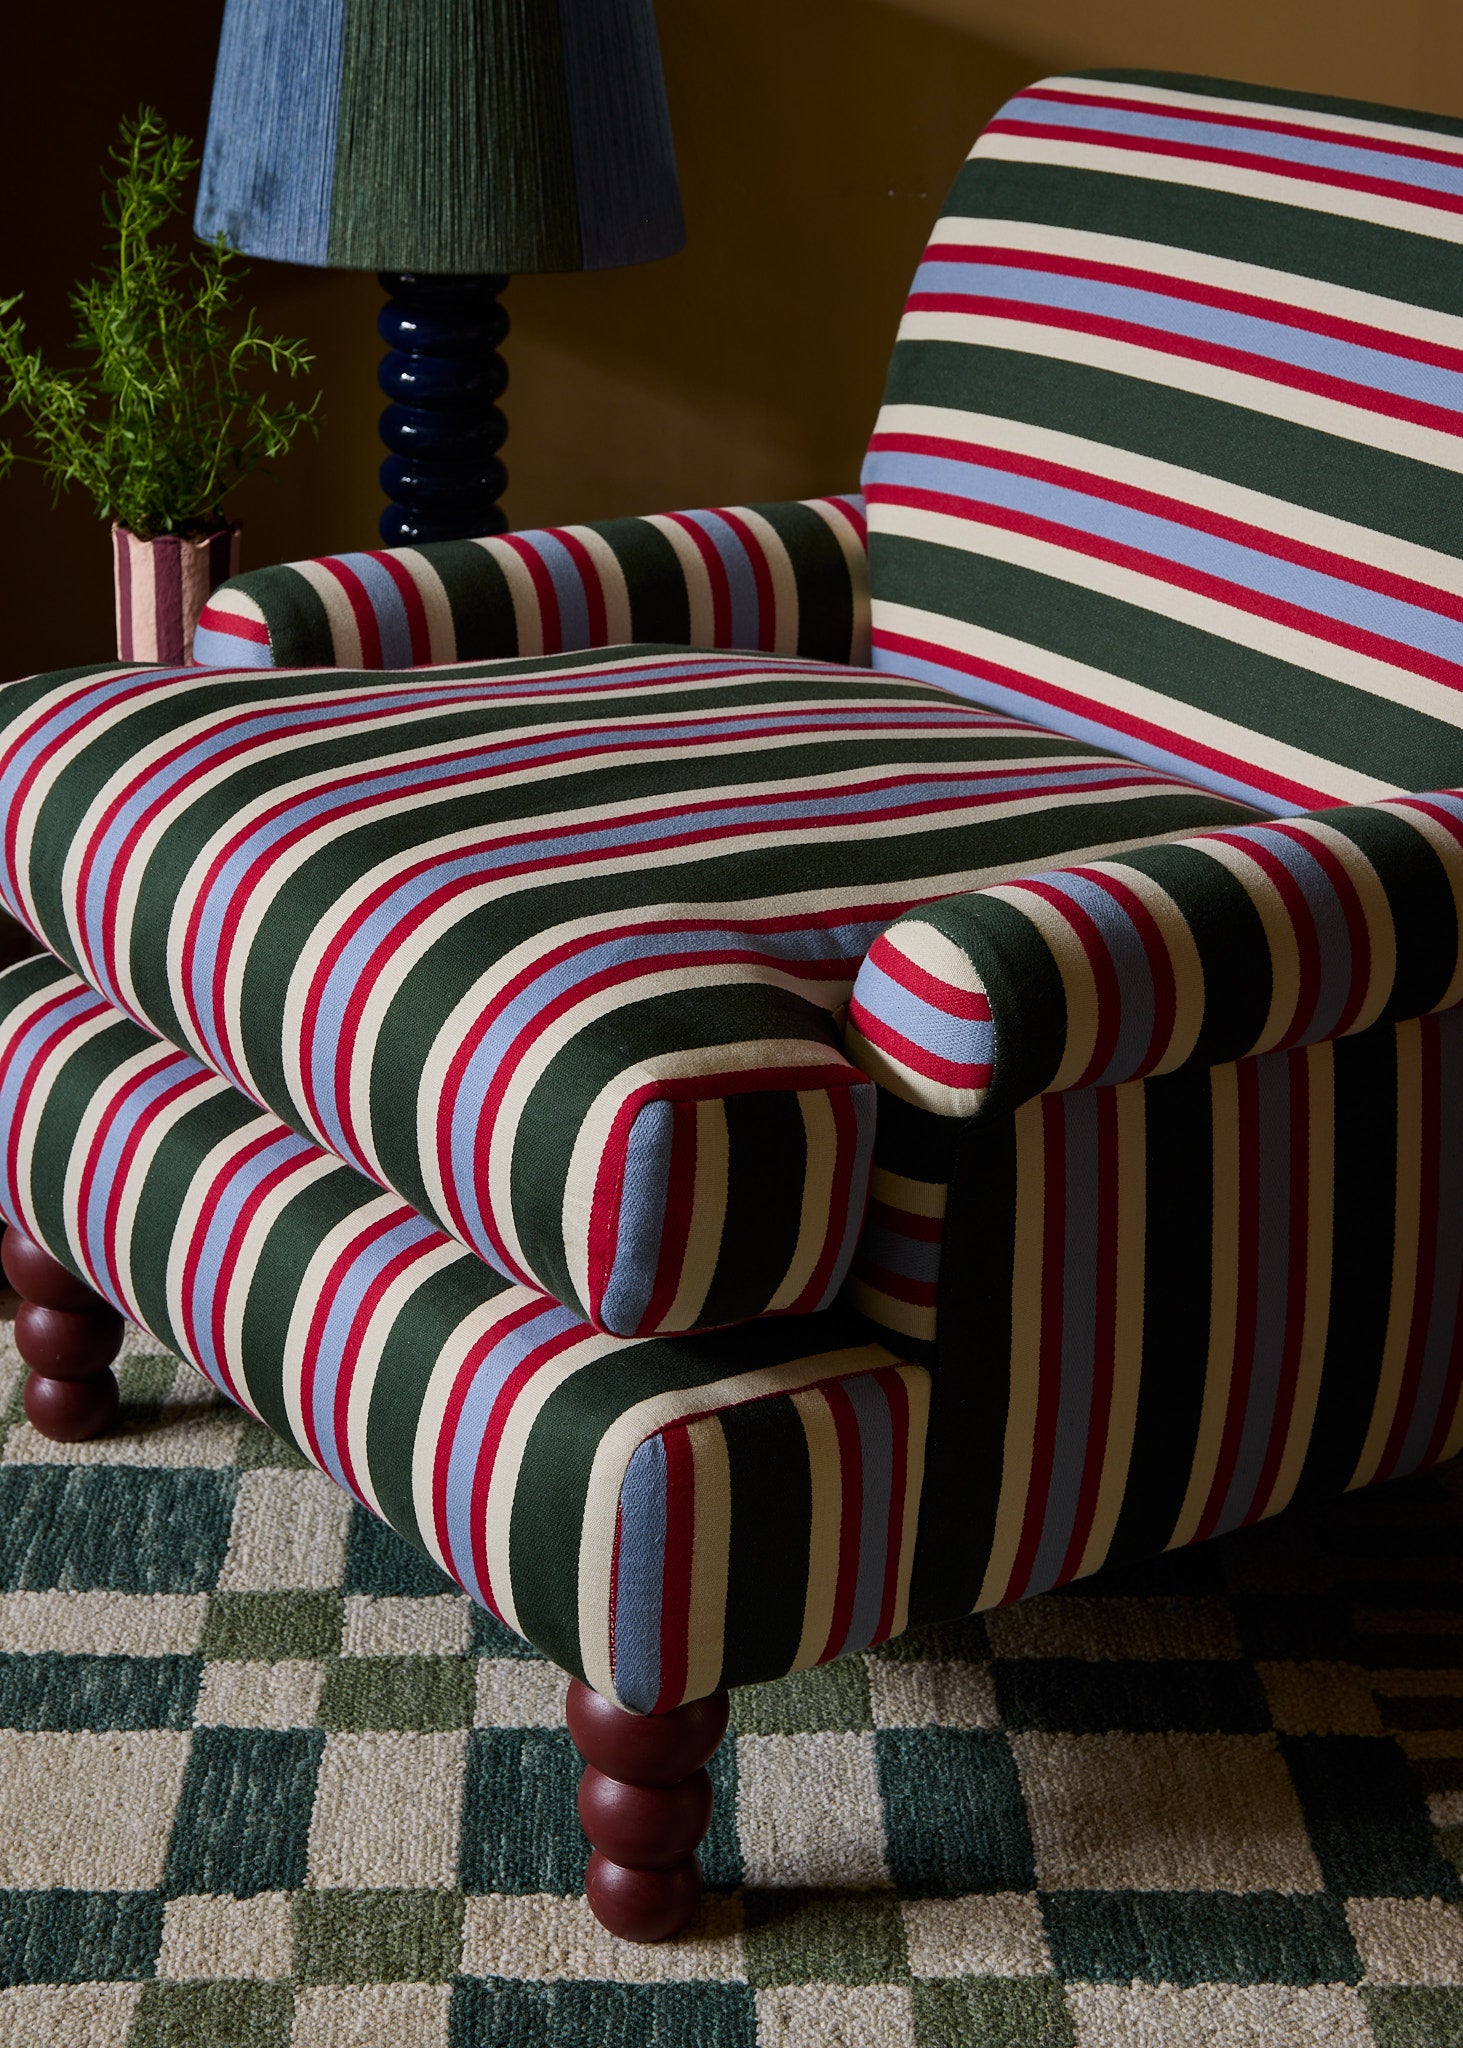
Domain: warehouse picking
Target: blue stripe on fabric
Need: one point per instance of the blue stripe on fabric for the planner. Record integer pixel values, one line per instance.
(1333, 597)
(640, 1577)
(1073, 1434)
(269, 161)
(1448, 1247)
(17, 1068)
(1292, 149)
(876, 1454)
(388, 608)
(962, 1040)
(624, 160)
(226, 650)
(642, 1217)
(1273, 1281)
(1138, 1005)
(1333, 940)
(1093, 731)
(209, 1274)
(918, 1258)
(746, 610)
(563, 572)
(142, 1092)
(504, 1357)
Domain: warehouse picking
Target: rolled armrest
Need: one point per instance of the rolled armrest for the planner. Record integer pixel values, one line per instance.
(781, 579)
(1209, 949)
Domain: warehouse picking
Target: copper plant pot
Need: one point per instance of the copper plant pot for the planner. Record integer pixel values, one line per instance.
(162, 586)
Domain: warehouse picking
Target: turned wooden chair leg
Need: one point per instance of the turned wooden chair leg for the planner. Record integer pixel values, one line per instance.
(68, 1336)
(645, 1803)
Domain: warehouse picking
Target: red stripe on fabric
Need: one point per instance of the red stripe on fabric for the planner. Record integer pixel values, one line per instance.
(591, 582)
(419, 631)
(233, 625)
(898, 1286)
(1054, 1226)
(1104, 1331)
(1163, 569)
(1160, 966)
(26, 1086)
(461, 1387)
(767, 621)
(360, 1323)
(1104, 974)
(1178, 511)
(680, 1198)
(969, 1004)
(228, 1266)
(853, 514)
(837, 1219)
(1301, 920)
(1297, 795)
(1177, 110)
(1191, 348)
(1248, 1252)
(223, 1178)
(928, 1065)
(850, 1518)
(680, 1550)
(551, 623)
(1354, 914)
(486, 1461)
(892, 1386)
(1430, 1135)
(362, 610)
(721, 603)
(87, 1181)
(1240, 159)
(1297, 1269)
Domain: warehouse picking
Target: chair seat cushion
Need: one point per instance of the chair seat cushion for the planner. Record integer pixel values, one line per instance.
(607, 1498)
(555, 949)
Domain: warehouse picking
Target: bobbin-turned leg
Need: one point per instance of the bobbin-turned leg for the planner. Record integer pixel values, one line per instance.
(645, 1803)
(68, 1336)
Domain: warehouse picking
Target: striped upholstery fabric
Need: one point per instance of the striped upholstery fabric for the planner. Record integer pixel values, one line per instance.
(1235, 943)
(1171, 456)
(1192, 1302)
(785, 579)
(551, 949)
(607, 1499)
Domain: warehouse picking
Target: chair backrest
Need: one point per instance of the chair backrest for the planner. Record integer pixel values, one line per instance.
(1171, 453)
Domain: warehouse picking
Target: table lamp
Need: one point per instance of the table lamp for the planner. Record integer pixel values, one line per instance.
(443, 144)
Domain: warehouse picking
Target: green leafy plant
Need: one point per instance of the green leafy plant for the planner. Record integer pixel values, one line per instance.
(169, 412)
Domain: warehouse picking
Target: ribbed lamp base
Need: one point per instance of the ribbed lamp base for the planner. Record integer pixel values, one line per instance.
(443, 429)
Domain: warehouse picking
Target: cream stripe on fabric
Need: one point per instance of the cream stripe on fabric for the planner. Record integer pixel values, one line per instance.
(1407, 1220)
(708, 1218)
(619, 626)
(1188, 487)
(1127, 1333)
(383, 1208)
(1376, 909)
(1183, 958)
(856, 555)
(780, 571)
(1280, 938)
(1181, 103)
(345, 634)
(710, 1558)
(825, 1477)
(1320, 1081)
(917, 1390)
(1223, 1302)
(1155, 365)
(820, 1152)
(1027, 1285)
(1450, 854)
(436, 605)
(388, 1305)
(1103, 691)
(150, 1060)
(528, 617)
(1079, 984)
(695, 575)
(1207, 176)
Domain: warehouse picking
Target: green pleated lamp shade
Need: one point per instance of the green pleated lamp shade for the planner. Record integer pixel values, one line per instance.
(448, 136)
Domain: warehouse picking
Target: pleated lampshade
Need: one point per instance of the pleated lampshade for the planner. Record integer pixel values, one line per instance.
(450, 136)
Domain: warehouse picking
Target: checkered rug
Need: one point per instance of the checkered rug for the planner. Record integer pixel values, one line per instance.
(266, 1780)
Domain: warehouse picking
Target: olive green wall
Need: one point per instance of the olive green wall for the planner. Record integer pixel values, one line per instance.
(816, 138)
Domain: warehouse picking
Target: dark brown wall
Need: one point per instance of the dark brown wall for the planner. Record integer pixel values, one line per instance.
(816, 138)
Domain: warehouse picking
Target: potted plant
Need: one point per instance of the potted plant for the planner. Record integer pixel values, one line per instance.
(166, 413)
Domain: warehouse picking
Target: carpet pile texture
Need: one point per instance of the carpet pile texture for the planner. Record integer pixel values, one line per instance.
(267, 1781)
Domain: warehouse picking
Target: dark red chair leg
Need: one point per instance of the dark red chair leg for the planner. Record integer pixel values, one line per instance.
(645, 1803)
(68, 1336)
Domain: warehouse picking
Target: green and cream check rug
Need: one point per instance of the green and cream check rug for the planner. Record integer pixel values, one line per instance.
(265, 1780)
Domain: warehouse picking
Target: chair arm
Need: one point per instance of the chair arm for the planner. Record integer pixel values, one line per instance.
(1206, 950)
(784, 579)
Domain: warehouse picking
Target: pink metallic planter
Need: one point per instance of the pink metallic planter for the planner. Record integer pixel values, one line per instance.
(162, 586)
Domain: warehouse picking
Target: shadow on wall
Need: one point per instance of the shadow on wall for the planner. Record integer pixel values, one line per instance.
(816, 140)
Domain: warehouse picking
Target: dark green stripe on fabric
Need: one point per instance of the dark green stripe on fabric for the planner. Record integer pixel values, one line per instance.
(767, 1158)
(477, 593)
(825, 593)
(294, 614)
(767, 1454)
(453, 149)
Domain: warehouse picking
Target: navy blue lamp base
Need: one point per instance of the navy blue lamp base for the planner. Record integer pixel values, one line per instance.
(443, 375)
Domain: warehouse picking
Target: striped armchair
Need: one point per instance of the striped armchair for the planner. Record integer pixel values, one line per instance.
(745, 1092)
